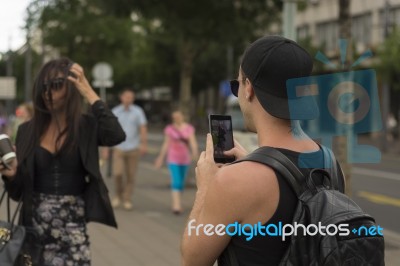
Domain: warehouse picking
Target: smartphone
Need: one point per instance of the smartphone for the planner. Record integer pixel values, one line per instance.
(222, 135)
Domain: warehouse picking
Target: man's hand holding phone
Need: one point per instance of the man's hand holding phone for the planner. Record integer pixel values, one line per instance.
(237, 151)
(210, 160)
(206, 167)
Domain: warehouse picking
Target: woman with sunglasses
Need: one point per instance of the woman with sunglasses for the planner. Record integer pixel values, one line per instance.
(57, 175)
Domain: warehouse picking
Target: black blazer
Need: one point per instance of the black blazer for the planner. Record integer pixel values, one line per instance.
(101, 128)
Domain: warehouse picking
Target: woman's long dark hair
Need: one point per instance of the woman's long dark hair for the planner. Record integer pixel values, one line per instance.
(42, 115)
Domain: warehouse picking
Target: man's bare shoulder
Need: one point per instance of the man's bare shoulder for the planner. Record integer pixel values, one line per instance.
(243, 172)
(248, 189)
(247, 179)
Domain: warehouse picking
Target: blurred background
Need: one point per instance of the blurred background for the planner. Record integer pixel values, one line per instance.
(175, 52)
(182, 53)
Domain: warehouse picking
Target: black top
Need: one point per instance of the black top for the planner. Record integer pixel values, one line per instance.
(59, 174)
(267, 250)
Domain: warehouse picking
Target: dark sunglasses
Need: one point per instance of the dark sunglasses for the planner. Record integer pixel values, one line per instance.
(54, 84)
(234, 87)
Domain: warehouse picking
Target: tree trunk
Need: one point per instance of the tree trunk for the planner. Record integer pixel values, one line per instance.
(342, 143)
(345, 21)
(186, 71)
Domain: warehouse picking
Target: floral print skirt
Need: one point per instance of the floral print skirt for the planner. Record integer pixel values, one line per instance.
(60, 223)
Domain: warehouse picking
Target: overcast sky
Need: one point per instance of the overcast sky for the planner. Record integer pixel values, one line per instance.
(12, 15)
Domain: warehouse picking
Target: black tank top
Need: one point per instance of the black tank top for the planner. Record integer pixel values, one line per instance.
(61, 174)
(268, 250)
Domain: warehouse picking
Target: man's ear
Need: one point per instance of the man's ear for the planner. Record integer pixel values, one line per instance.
(249, 91)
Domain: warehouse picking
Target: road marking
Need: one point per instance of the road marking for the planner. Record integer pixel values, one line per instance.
(376, 173)
(379, 198)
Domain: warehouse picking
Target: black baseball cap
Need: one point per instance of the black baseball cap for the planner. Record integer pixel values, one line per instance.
(268, 63)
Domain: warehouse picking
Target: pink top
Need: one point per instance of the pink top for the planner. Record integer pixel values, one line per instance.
(178, 150)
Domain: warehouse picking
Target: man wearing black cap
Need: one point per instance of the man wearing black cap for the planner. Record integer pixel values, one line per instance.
(248, 192)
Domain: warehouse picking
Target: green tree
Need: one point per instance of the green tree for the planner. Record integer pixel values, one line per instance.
(192, 27)
(154, 42)
(389, 57)
(307, 44)
(85, 32)
(90, 31)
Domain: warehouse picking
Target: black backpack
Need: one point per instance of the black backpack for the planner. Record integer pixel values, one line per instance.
(325, 204)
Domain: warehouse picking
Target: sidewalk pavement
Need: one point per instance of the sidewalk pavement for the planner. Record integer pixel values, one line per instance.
(150, 234)
(392, 248)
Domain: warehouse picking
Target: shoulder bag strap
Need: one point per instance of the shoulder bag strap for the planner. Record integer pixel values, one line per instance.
(181, 138)
(17, 209)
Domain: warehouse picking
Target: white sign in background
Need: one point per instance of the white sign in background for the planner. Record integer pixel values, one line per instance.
(102, 73)
(8, 88)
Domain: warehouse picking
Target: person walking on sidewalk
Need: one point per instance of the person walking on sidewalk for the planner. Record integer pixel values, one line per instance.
(126, 155)
(180, 145)
(56, 174)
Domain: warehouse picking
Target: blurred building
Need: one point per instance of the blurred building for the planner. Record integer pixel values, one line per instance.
(371, 21)
(156, 103)
(319, 22)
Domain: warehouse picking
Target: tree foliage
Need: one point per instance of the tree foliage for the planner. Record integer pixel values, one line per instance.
(87, 34)
(157, 42)
(201, 30)
(389, 55)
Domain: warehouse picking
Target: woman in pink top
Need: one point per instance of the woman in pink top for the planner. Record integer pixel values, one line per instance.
(180, 146)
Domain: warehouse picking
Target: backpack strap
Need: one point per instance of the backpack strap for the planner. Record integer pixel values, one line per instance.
(331, 167)
(278, 161)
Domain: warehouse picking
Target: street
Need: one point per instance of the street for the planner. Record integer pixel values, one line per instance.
(377, 192)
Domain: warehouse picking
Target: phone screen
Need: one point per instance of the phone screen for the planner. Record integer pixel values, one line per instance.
(222, 135)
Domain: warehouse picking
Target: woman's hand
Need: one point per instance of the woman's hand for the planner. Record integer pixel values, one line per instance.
(158, 162)
(12, 171)
(82, 84)
(143, 149)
